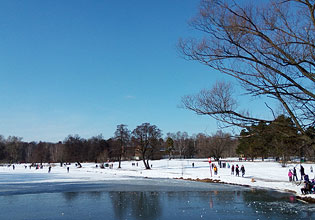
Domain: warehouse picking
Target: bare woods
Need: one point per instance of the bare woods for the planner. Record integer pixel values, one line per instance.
(144, 143)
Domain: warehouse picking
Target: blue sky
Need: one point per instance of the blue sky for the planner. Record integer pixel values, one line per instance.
(83, 67)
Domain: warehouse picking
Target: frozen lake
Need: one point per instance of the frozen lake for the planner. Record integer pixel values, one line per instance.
(142, 198)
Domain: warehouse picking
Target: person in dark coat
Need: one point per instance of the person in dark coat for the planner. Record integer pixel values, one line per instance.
(243, 170)
(294, 175)
(302, 172)
(237, 171)
(232, 170)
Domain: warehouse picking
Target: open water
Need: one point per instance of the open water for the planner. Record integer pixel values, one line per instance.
(144, 199)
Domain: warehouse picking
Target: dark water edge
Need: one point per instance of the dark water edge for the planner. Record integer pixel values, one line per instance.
(147, 199)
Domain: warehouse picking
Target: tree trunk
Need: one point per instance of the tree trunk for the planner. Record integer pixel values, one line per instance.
(146, 163)
(119, 164)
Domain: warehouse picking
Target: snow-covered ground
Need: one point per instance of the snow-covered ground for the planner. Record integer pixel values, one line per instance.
(258, 174)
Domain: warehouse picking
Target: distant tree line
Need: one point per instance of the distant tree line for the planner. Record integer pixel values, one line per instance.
(144, 143)
(278, 139)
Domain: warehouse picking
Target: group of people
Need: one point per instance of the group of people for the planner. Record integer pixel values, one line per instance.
(237, 170)
(37, 167)
(234, 169)
(292, 174)
(309, 185)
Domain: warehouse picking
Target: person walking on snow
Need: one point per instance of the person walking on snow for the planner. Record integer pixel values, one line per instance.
(290, 174)
(294, 175)
(237, 171)
(302, 172)
(243, 170)
(232, 170)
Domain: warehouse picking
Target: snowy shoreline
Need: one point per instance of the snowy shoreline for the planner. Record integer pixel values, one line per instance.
(267, 174)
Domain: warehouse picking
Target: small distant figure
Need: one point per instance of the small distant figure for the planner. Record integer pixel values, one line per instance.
(193, 165)
(25, 166)
(237, 171)
(232, 170)
(13, 167)
(137, 163)
(79, 165)
(49, 169)
(302, 172)
(311, 169)
(215, 169)
(290, 174)
(243, 170)
(294, 175)
(68, 168)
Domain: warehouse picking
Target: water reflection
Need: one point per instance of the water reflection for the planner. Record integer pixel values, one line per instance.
(168, 205)
(140, 205)
(69, 196)
(189, 205)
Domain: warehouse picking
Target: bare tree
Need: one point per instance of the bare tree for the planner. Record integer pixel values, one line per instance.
(181, 142)
(2, 148)
(217, 145)
(169, 143)
(147, 138)
(75, 149)
(268, 47)
(219, 103)
(122, 135)
(58, 152)
(14, 149)
(41, 153)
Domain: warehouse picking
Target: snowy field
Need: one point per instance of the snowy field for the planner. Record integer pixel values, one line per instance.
(258, 174)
